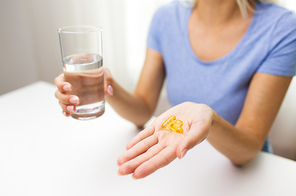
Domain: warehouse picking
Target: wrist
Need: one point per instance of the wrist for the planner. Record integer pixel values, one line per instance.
(215, 118)
(215, 121)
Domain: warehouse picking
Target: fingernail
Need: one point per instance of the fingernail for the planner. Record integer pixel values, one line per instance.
(67, 87)
(119, 173)
(65, 114)
(110, 90)
(70, 108)
(183, 153)
(134, 177)
(74, 100)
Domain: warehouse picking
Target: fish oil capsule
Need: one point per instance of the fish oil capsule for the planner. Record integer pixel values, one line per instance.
(166, 124)
(172, 124)
(177, 126)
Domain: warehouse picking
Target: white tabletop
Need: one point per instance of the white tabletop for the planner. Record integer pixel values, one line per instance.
(44, 153)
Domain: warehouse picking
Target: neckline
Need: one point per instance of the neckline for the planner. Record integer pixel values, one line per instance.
(232, 52)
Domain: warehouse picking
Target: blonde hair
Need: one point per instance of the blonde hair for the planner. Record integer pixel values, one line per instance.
(244, 5)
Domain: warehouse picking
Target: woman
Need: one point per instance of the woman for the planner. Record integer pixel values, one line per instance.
(228, 65)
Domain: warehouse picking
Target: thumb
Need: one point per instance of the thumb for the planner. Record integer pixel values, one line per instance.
(108, 82)
(197, 133)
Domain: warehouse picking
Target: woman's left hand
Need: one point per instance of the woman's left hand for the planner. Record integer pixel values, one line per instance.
(154, 148)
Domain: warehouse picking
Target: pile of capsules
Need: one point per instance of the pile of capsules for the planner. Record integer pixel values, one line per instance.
(172, 124)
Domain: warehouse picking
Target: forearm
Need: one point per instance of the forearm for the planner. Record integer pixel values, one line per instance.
(239, 145)
(242, 142)
(129, 106)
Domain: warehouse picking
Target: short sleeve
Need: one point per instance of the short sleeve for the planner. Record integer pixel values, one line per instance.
(153, 39)
(281, 59)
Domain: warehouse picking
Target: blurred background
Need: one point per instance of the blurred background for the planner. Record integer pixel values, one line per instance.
(29, 46)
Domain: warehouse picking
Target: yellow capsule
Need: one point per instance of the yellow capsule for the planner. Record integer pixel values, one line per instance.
(177, 126)
(166, 124)
(172, 124)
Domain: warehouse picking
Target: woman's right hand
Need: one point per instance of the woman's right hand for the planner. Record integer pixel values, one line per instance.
(69, 102)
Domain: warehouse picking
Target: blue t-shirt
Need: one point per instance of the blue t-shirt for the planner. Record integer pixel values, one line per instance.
(268, 46)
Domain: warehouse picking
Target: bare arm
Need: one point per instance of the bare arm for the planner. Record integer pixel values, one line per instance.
(139, 106)
(242, 142)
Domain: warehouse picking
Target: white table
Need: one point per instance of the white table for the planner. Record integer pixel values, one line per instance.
(43, 153)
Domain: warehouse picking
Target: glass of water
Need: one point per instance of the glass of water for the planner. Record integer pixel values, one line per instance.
(82, 56)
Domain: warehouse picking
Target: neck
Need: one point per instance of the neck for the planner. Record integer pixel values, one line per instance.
(216, 12)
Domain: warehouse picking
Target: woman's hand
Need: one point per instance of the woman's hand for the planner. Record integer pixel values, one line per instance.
(154, 148)
(69, 102)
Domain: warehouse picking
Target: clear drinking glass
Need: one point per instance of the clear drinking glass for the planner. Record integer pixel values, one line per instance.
(82, 56)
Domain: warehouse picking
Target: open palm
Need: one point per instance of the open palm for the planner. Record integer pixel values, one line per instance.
(154, 148)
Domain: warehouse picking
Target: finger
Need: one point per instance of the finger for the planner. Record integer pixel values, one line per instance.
(68, 108)
(62, 85)
(142, 135)
(67, 99)
(108, 82)
(138, 149)
(130, 166)
(160, 160)
(197, 133)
